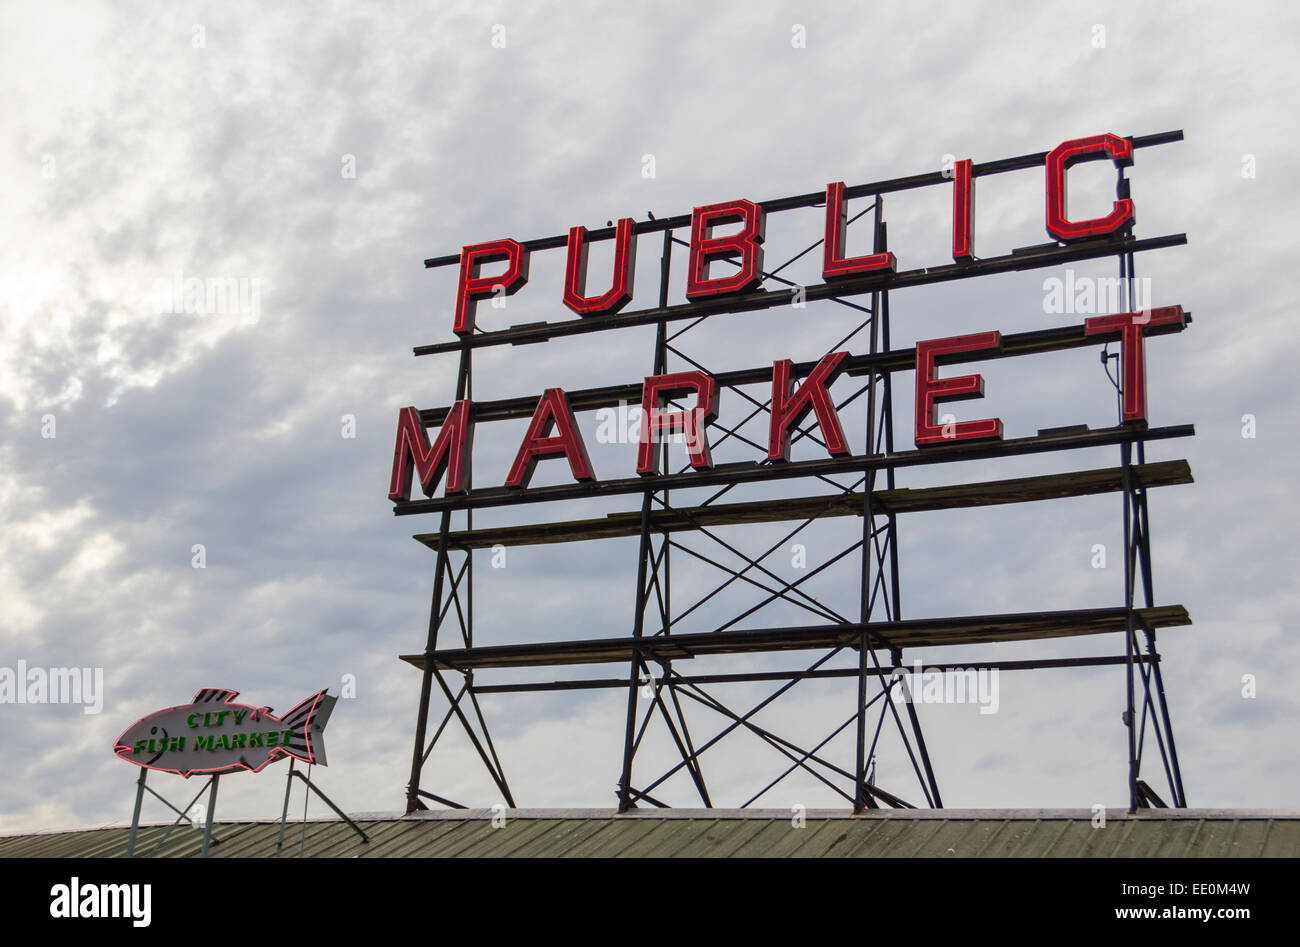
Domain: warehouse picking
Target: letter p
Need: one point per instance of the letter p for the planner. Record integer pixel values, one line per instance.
(472, 286)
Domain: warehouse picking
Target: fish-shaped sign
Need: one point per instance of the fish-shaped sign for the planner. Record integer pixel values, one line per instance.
(213, 735)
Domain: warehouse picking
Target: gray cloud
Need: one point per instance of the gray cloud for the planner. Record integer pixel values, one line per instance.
(224, 162)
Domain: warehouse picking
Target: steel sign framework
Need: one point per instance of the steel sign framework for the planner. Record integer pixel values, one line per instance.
(873, 629)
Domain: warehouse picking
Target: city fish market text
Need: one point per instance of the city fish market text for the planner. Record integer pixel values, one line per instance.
(220, 741)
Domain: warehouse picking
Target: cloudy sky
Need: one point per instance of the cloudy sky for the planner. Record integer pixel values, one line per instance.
(316, 154)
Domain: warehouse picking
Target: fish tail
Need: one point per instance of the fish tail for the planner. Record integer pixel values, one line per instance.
(307, 722)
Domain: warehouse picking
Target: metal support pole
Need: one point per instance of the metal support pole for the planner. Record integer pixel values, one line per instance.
(135, 816)
(181, 815)
(625, 800)
(330, 802)
(284, 813)
(1180, 797)
(441, 565)
(1127, 272)
(868, 526)
(895, 599)
(212, 809)
(1130, 721)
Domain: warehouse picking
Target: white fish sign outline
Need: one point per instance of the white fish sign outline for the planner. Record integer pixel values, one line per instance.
(213, 735)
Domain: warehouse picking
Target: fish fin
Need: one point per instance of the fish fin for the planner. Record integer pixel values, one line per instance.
(214, 695)
(307, 721)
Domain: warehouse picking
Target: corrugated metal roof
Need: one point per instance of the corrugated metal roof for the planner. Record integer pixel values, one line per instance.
(687, 833)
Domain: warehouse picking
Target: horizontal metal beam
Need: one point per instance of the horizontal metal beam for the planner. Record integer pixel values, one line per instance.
(756, 472)
(757, 676)
(1056, 339)
(911, 633)
(903, 500)
(814, 198)
(1030, 258)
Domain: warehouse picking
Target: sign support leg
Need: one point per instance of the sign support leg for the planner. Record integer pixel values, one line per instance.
(212, 808)
(284, 813)
(135, 816)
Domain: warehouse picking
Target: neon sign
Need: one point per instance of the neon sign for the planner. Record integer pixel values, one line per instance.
(553, 432)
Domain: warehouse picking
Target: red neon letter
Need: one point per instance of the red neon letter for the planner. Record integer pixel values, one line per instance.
(834, 265)
(1062, 157)
(473, 287)
(575, 272)
(552, 410)
(963, 212)
(930, 391)
(1132, 350)
(747, 245)
(656, 390)
(450, 452)
(789, 410)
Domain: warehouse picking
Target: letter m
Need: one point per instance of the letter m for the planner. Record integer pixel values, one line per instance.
(449, 453)
(115, 900)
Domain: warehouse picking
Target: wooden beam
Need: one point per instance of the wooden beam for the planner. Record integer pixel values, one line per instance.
(914, 633)
(905, 500)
